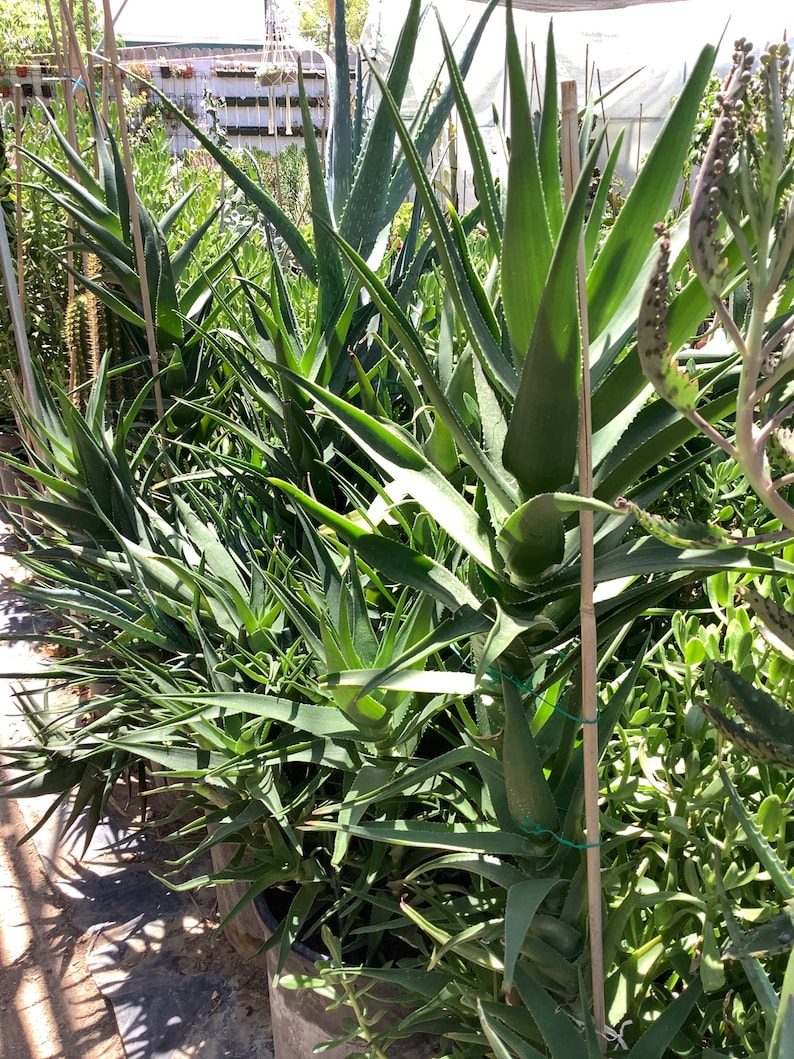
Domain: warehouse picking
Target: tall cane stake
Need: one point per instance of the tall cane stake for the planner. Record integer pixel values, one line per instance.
(570, 169)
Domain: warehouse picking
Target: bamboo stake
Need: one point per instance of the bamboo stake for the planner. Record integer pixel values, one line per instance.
(89, 47)
(18, 161)
(589, 656)
(56, 44)
(67, 72)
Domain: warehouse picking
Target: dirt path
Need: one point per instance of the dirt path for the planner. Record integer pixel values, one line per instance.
(50, 1006)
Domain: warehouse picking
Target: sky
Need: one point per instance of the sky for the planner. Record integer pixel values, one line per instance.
(211, 21)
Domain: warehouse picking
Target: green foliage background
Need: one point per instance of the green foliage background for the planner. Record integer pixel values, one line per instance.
(25, 31)
(314, 20)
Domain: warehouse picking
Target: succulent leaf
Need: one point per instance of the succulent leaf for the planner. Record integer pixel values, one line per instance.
(774, 936)
(769, 735)
(659, 366)
(776, 619)
(715, 188)
(677, 534)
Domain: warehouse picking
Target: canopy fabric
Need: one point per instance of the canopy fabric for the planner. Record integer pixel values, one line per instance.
(600, 39)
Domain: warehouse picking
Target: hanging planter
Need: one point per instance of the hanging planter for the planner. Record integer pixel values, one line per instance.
(21, 70)
(5, 91)
(27, 91)
(269, 78)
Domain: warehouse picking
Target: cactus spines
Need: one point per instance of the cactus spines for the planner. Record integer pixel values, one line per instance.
(81, 334)
(659, 366)
(91, 330)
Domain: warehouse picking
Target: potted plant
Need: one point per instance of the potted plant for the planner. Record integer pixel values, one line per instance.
(165, 66)
(139, 69)
(21, 70)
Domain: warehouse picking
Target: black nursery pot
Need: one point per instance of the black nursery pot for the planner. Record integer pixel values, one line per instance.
(300, 1018)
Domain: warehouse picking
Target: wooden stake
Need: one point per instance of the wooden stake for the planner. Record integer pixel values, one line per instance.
(18, 160)
(56, 44)
(589, 657)
(89, 47)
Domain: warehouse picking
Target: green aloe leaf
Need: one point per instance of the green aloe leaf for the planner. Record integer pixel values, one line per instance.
(481, 170)
(396, 452)
(415, 680)
(528, 792)
(329, 265)
(395, 560)
(508, 627)
(782, 1044)
(547, 402)
(93, 207)
(479, 333)
(645, 555)
(432, 128)
(757, 707)
(532, 540)
(321, 721)
(285, 227)
(657, 1039)
(549, 140)
(471, 838)
(632, 237)
(443, 406)
(365, 210)
(559, 1033)
(523, 900)
(495, 1032)
(524, 272)
(341, 154)
(778, 872)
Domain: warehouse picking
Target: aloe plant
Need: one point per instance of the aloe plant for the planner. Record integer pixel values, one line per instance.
(99, 225)
(349, 622)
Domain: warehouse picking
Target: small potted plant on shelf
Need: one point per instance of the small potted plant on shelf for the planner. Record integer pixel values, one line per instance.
(138, 68)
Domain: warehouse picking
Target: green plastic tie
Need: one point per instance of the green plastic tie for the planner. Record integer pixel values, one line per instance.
(533, 828)
(495, 676)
